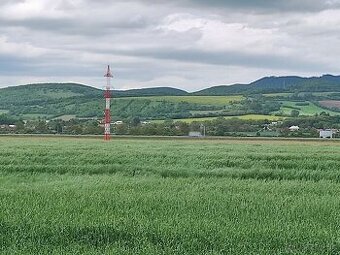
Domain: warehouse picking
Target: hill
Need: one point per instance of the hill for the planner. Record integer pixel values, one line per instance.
(50, 100)
(266, 96)
(65, 90)
(292, 84)
(159, 91)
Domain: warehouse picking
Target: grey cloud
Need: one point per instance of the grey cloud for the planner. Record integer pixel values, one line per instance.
(6, 2)
(23, 66)
(229, 58)
(72, 26)
(254, 5)
(38, 23)
(89, 18)
(129, 34)
(268, 5)
(12, 65)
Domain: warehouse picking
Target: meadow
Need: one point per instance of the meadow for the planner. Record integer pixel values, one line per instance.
(306, 110)
(169, 196)
(203, 100)
(242, 117)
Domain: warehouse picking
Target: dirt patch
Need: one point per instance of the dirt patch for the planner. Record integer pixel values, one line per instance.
(330, 103)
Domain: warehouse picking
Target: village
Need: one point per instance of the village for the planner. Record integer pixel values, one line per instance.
(135, 126)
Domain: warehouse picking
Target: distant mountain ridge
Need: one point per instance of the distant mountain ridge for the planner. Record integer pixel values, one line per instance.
(274, 84)
(264, 85)
(86, 90)
(158, 91)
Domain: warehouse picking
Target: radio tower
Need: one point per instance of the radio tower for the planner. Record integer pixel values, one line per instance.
(107, 96)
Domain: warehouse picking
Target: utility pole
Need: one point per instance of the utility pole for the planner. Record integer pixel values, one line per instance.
(203, 129)
(107, 96)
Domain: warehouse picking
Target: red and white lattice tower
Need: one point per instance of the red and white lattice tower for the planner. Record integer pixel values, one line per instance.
(107, 95)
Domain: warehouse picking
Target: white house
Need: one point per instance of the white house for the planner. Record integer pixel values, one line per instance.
(327, 133)
(195, 134)
(294, 128)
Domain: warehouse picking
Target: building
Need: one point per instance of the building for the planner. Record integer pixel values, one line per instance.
(327, 133)
(6, 128)
(294, 128)
(195, 134)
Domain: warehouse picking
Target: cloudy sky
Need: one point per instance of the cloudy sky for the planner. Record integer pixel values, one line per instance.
(188, 44)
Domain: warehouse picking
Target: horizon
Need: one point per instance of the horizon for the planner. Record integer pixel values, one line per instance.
(173, 87)
(188, 44)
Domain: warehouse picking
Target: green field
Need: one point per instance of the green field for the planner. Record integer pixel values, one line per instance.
(66, 117)
(324, 94)
(203, 100)
(278, 94)
(148, 196)
(243, 117)
(35, 116)
(307, 110)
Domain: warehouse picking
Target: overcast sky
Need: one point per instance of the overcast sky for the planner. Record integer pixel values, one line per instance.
(188, 44)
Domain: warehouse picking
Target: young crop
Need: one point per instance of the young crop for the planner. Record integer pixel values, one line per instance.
(84, 196)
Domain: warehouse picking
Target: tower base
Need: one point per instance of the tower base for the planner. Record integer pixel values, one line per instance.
(107, 137)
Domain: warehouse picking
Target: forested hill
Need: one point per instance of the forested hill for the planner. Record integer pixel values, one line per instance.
(55, 99)
(72, 100)
(66, 90)
(161, 91)
(325, 83)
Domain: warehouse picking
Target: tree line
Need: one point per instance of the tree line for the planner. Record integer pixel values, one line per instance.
(216, 127)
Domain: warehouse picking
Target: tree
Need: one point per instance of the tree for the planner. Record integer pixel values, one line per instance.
(20, 127)
(295, 113)
(324, 114)
(58, 127)
(135, 121)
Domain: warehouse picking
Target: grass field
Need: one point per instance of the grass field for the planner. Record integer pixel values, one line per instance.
(3, 111)
(325, 93)
(306, 110)
(84, 196)
(290, 94)
(278, 94)
(203, 100)
(35, 116)
(243, 117)
(65, 117)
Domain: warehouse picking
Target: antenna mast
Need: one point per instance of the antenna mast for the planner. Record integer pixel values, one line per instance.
(107, 96)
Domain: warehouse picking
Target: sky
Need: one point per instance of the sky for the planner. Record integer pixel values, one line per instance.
(187, 44)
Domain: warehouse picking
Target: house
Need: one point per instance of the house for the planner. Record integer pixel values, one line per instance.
(294, 128)
(9, 127)
(326, 133)
(195, 134)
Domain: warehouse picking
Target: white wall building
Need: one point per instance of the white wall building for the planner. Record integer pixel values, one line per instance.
(328, 133)
(195, 134)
